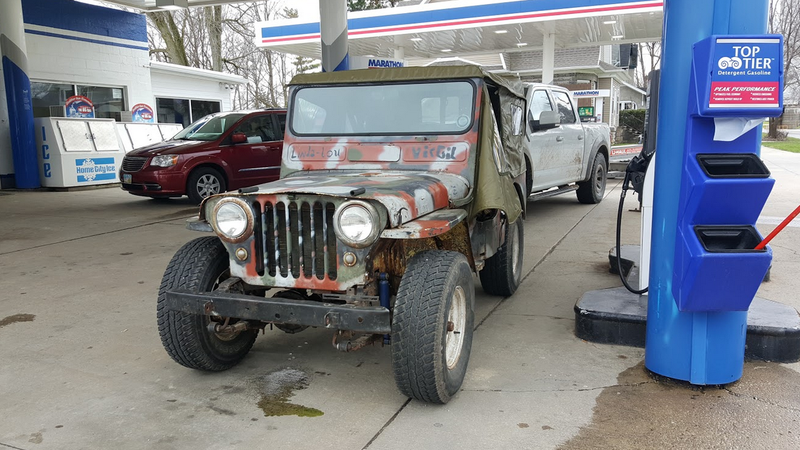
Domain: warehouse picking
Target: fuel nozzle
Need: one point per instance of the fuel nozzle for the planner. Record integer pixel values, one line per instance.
(634, 173)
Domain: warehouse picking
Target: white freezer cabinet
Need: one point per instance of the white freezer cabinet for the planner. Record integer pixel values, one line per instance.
(136, 135)
(78, 152)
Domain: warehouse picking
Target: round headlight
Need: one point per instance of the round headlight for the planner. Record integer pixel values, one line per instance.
(232, 220)
(357, 224)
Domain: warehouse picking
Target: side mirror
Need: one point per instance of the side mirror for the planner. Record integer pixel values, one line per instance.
(547, 119)
(238, 138)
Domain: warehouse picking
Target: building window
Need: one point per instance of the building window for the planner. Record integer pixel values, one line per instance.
(108, 102)
(184, 111)
(45, 95)
(173, 110)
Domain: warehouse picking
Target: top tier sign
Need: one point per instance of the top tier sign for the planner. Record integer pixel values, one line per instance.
(746, 74)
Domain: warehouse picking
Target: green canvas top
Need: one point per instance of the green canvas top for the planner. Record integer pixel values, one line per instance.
(500, 151)
(407, 74)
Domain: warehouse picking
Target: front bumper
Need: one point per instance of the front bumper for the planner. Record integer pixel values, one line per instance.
(364, 319)
(154, 182)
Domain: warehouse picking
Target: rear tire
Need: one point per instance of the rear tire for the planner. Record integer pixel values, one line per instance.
(432, 323)
(502, 273)
(592, 190)
(204, 182)
(199, 266)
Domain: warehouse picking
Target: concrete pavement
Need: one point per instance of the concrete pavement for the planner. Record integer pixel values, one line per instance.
(83, 367)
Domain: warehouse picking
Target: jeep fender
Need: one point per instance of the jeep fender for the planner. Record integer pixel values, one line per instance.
(429, 225)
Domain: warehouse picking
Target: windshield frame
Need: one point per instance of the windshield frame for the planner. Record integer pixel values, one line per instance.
(188, 133)
(292, 109)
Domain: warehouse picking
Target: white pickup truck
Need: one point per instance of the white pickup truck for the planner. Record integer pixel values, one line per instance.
(563, 154)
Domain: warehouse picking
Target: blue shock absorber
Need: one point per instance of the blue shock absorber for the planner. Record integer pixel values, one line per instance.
(384, 296)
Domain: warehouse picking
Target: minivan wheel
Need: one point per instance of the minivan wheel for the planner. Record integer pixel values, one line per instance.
(204, 182)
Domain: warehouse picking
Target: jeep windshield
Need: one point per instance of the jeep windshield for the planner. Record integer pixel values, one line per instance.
(383, 109)
(209, 128)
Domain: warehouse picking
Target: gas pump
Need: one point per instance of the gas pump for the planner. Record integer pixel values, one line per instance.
(708, 269)
(635, 174)
(707, 258)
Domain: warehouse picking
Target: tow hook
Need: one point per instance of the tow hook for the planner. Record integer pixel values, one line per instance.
(219, 328)
(351, 345)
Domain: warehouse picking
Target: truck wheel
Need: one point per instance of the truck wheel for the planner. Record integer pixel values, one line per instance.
(432, 324)
(592, 190)
(203, 182)
(502, 273)
(199, 266)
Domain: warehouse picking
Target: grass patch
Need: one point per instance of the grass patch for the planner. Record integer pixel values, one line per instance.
(789, 145)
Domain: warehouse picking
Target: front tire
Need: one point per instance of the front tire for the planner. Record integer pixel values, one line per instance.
(204, 182)
(432, 323)
(199, 266)
(592, 190)
(502, 273)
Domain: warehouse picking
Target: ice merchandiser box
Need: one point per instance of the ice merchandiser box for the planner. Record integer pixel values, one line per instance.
(78, 151)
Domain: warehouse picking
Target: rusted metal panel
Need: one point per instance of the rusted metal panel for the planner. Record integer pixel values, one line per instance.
(405, 196)
(433, 224)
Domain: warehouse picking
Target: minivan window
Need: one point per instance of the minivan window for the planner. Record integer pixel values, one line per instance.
(209, 128)
(259, 129)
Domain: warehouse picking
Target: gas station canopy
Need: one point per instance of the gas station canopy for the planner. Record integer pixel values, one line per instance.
(161, 5)
(474, 28)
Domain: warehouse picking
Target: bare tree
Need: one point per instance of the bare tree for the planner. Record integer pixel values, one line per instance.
(649, 59)
(213, 22)
(362, 5)
(268, 72)
(221, 38)
(171, 36)
(784, 18)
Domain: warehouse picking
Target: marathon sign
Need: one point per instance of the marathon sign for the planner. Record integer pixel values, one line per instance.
(383, 63)
(592, 93)
(367, 62)
(746, 73)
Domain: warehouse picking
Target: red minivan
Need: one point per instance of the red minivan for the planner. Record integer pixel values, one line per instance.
(220, 152)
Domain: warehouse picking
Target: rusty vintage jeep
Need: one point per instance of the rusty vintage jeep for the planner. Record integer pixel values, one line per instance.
(397, 185)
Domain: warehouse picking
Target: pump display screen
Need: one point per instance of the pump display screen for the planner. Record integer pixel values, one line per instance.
(746, 73)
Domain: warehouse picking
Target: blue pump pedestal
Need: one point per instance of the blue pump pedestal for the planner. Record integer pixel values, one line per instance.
(709, 193)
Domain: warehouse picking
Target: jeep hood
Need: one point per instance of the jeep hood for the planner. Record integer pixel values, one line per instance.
(406, 196)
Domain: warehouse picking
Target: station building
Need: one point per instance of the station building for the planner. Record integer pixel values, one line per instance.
(78, 49)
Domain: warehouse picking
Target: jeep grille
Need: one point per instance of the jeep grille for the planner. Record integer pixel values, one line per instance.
(296, 239)
(133, 163)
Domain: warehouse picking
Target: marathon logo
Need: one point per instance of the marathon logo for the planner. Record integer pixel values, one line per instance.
(95, 169)
(383, 63)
